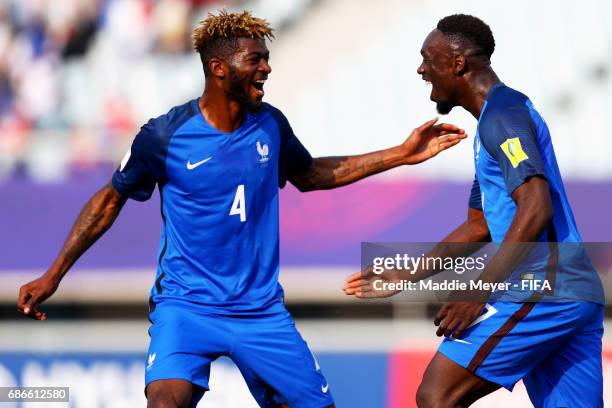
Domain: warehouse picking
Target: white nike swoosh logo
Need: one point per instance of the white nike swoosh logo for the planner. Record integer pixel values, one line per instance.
(324, 388)
(191, 166)
(490, 312)
(458, 340)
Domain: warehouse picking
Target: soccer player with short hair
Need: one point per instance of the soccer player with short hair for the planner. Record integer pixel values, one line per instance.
(517, 196)
(218, 162)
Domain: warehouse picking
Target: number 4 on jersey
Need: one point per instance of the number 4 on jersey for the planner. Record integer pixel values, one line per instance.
(239, 206)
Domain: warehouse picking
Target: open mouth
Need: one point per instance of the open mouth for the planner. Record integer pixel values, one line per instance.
(259, 85)
(428, 83)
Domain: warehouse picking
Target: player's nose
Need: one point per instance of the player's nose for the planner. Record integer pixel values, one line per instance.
(265, 66)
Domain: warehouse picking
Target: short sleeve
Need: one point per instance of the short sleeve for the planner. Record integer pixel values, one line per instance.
(294, 158)
(509, 136)
(141, 167)
(475, 201)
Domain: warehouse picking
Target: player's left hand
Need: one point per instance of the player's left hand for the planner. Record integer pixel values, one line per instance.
(454, 317)
(429, 139)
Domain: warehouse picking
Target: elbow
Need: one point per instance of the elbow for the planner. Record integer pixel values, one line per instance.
(305, 188)
(304, 185)
(545, 217)
(308, 182)
(542, 212)
(547, 214)
(478, 227)
(480, 233)
(540, 216)
(483, 235)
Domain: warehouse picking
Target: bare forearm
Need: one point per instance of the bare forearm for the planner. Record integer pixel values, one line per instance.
(332, 172)
(424, 142)
(466, 239)
(526, 228)
(534, 212)
(95, 219)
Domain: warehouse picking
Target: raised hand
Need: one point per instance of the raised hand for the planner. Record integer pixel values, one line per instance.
(429, 139)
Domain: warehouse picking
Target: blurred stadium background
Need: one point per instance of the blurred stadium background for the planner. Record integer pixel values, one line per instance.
(78, 78)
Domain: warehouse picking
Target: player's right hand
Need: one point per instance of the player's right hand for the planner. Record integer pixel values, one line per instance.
(361, 284)
(429, 139)
(32, 294)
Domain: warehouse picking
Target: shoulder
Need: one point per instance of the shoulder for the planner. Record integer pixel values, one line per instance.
(504, 95)
(279, 118)
(172, 120)
(504, 104)
(506, 115)
(275, 113)
(270, 109)
(158, 131)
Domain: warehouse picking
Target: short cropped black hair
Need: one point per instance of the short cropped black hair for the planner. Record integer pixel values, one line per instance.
(473, 29)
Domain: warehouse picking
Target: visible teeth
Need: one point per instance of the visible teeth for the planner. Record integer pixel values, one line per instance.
(260, 81)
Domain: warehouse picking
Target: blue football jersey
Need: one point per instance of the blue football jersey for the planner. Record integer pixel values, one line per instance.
(513, 144)
(219, 204)
(523, 334)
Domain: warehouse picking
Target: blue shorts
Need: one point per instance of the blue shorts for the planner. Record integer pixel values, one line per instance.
(554, 347)
(275, 361)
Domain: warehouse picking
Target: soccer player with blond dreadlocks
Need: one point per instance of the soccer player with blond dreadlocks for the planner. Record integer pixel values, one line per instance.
(218, 162)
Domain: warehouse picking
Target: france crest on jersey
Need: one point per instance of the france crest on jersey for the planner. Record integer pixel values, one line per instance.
(219, 196)
(216, 291)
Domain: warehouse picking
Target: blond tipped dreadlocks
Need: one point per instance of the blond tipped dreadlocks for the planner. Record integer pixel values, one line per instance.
(217, 35)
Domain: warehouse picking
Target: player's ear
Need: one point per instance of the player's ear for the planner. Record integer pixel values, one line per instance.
(217, 67)
(460, 64)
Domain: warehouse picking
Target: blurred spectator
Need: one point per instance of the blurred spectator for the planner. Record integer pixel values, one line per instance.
(77, 77)
(171, 18)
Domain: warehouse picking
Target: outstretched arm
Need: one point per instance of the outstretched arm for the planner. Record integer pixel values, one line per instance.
(423, 143)
(95, 219)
